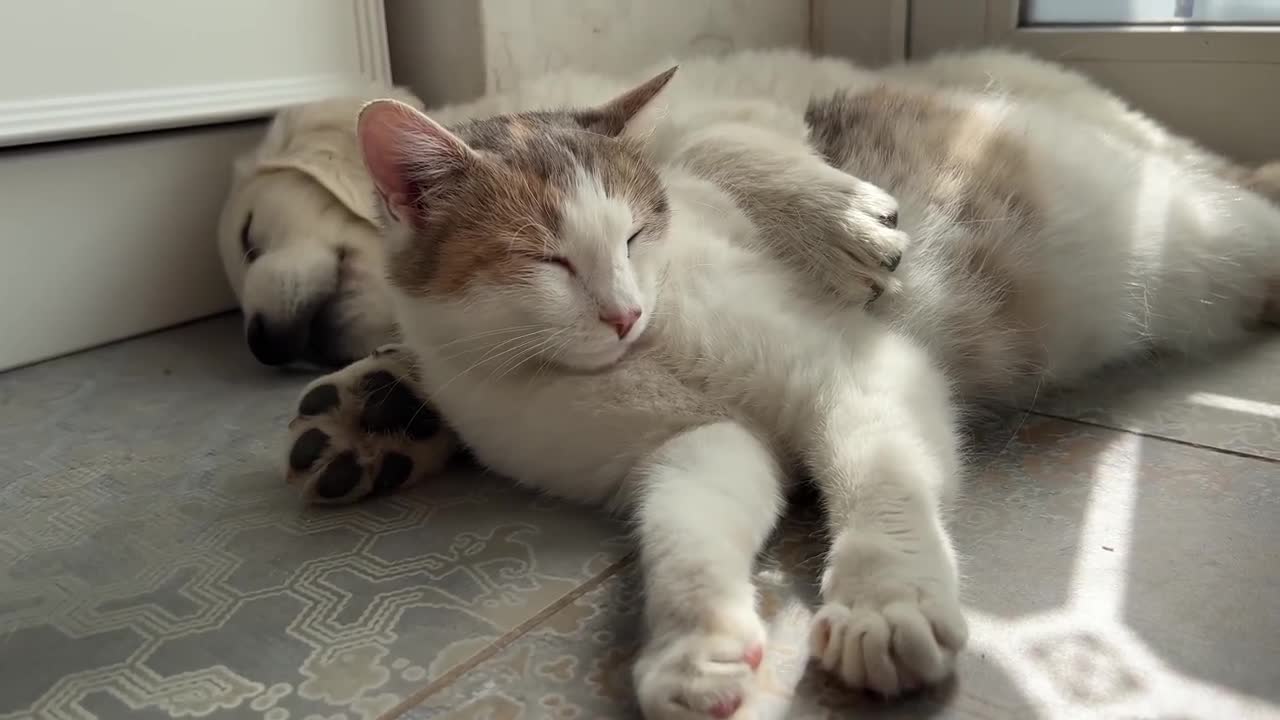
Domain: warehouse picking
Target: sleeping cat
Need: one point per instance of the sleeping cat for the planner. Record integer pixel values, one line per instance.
(663, 314)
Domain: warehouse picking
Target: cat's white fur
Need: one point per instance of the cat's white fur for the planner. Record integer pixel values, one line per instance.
(747, 370)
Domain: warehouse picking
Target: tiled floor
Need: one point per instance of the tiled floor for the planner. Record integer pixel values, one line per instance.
(1122, 560)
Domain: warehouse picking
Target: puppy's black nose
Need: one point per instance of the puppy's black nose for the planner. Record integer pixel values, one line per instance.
(268, 346)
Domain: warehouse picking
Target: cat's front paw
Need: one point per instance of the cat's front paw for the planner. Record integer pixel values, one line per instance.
(860, 245)
(697, 674)
(889, 625)
(363, 430)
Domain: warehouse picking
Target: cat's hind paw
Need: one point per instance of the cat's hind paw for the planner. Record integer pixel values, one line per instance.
(365, 429)
(698, 675)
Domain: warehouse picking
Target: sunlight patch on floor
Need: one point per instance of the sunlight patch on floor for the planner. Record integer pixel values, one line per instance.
(1235, 404)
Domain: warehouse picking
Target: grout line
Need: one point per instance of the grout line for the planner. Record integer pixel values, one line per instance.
(1153, 436)
(505, 640)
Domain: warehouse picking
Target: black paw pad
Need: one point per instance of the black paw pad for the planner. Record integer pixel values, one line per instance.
(396, 469)
(320, 399)
(391, 407)
(340, 478)
(307, 449)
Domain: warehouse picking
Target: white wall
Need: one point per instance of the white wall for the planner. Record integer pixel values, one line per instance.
(101, 239)
(453, 51)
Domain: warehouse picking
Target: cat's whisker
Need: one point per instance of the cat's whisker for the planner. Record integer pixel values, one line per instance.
(500, 345)
(516, 361)
(488, 333)
(551, 356)
(491, 357)
(526, 350)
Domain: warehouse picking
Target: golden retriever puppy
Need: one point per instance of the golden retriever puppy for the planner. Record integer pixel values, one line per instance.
(299, 238)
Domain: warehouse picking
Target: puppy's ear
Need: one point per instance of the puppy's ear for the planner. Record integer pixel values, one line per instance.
(330, 158)
(409, 156)
(633, 113)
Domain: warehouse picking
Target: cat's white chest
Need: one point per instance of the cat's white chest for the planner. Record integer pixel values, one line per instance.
(575, 435)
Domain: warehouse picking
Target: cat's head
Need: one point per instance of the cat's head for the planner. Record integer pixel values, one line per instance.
(528, 235)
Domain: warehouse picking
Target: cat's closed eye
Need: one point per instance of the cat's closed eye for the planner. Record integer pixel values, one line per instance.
(562, 262)
(632, 239)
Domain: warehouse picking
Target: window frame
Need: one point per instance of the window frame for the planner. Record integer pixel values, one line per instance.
(1133, 43)
(1217, 83)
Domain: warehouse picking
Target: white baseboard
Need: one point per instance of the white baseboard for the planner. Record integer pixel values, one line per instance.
(78, 116)
(109, 238)
(136, 65)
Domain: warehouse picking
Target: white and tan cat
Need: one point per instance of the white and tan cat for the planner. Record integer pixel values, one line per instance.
(662, 312)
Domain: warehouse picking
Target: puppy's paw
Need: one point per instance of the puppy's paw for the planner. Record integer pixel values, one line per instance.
(365, 429)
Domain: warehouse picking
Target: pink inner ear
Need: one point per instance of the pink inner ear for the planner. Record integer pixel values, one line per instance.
(381, 131)
(405, 151)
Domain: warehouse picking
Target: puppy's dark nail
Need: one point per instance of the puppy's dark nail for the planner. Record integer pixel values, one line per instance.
(396, 469)
(340, 478)
(890, 220)
(307, 449)
(320, 399)
(892, 263)
(876, 291)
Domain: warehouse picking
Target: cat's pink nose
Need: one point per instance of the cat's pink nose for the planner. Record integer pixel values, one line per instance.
(621, 320)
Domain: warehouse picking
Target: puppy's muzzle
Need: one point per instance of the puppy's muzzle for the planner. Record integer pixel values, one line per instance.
(308, 337)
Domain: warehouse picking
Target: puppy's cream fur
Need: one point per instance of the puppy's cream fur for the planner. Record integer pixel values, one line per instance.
(313, 230)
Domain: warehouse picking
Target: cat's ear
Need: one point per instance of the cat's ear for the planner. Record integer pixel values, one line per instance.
(407, 154)
(632, 113)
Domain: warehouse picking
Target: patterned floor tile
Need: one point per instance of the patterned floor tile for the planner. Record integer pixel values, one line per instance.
(1107, 575)
(1231, 402)
(153, 563)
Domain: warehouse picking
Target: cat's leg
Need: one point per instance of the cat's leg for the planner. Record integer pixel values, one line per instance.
(365, 429)
(825, 223)
(883, 452)
(707, 501)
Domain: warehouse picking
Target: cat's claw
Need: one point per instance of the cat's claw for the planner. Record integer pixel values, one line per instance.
(695, 675)
(364, 430)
